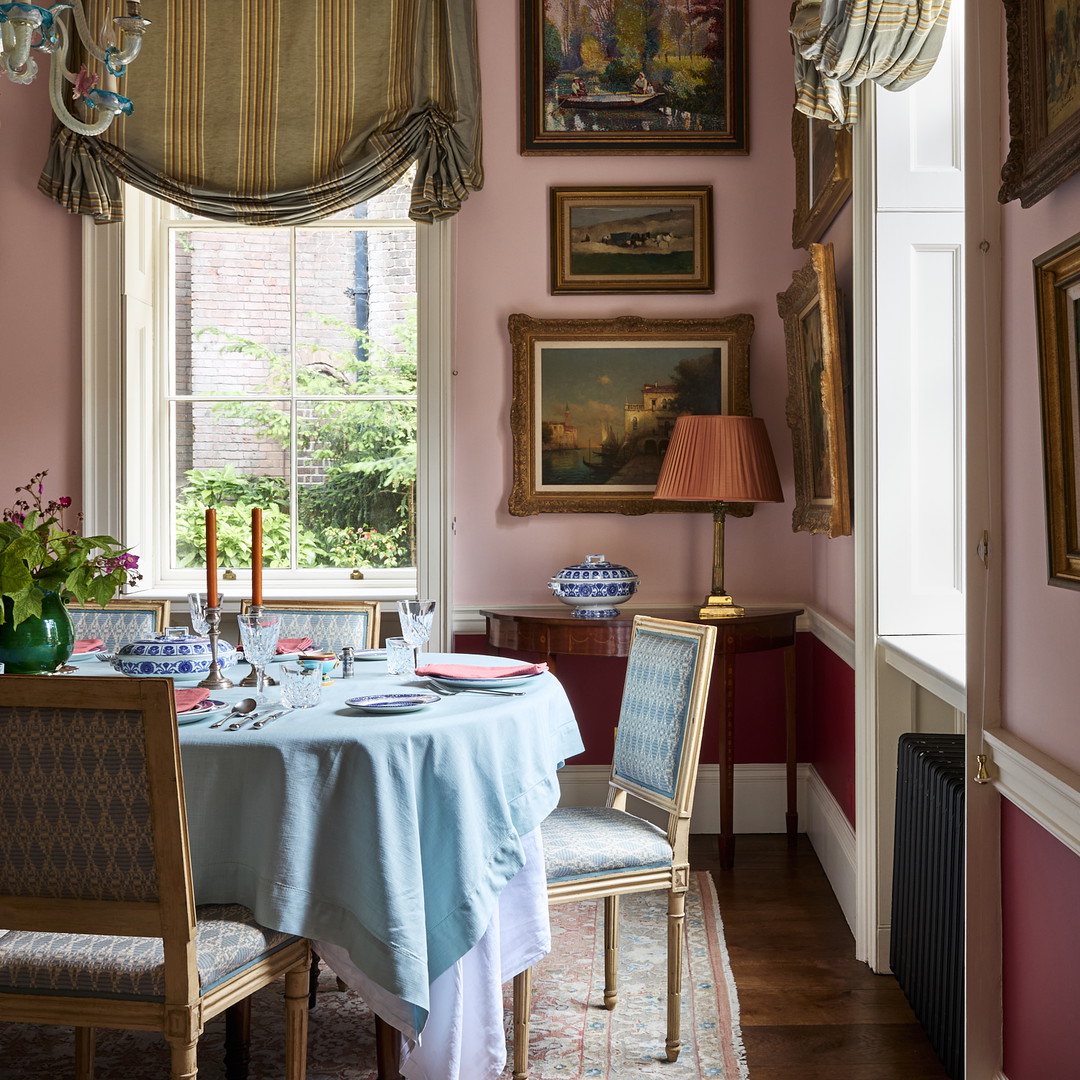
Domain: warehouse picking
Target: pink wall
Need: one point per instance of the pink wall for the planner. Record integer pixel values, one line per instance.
(502, 267)
(40, 318)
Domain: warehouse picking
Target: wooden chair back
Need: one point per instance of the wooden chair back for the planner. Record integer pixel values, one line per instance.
(120, 621)
(329, 623)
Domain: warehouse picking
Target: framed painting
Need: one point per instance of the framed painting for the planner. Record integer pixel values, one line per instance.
(595, 401)
(822, 176)
(631, 239)
(1044, 98)
(1057, 312)
(817, 402)
(597, 79)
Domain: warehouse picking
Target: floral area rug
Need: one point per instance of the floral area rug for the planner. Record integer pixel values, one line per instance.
(573, 1036)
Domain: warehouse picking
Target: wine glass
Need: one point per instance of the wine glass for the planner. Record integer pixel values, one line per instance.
(416, 617)
(197, 607)
(259, 635)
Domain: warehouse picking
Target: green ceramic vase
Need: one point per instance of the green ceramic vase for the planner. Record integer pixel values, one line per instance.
(37, 645)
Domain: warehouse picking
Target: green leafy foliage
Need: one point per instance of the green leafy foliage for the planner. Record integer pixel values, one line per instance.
(39, 554)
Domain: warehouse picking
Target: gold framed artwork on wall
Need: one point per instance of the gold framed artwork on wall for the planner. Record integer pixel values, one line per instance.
(631, 239)
(1044, 98)
(822, 176)
(595, 401)
(817, 410)
(597, 79)
(1057, 311)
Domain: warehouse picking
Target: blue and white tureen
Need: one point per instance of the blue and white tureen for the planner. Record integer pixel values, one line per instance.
(593, 587)
(180, 656)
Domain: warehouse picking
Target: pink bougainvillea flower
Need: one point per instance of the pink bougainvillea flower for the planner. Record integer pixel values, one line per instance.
(84, 83)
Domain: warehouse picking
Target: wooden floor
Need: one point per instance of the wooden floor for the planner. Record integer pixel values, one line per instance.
(809, 1009)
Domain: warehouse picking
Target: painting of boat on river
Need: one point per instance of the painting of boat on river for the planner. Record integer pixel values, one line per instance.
(607, 413)
(615, 76)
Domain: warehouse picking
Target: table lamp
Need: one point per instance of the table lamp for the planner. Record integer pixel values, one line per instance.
(719, 460)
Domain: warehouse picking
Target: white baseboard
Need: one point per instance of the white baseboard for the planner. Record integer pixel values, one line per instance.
(833, 838)
(760, 795)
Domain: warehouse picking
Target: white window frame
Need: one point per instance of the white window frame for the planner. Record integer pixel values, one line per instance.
(124, 407)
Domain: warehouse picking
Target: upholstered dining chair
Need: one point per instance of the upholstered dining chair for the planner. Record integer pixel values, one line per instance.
(95, 878)
(329, 623)
(606, 852)
(120, 621)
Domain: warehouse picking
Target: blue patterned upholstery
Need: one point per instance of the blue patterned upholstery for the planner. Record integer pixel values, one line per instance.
(227, 939)
(587, 841)
(116, 627)
(655, 710)
(77, 823)
(327, 629)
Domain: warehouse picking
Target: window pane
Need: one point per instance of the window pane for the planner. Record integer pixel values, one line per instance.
(231, 310)
(232, 456)
(355, 305)
(356, 469)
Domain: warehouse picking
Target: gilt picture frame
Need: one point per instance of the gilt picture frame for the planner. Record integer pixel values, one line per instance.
(631, 240)
(594, 83)
(1044, 99)
(594, 402)
(1057, 313)
(817, 409)
(822, 176)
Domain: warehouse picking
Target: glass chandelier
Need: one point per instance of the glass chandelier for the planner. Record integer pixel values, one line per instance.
(27, 28)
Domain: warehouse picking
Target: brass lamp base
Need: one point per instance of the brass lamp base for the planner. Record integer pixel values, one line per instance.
(720, 607)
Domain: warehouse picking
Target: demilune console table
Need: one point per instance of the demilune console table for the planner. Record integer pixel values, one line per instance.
(554, 632)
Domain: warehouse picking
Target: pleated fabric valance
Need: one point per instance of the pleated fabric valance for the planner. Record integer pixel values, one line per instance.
(279, 112)
(841, 43)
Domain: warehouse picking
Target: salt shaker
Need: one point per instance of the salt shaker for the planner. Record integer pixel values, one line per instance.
(347, 662)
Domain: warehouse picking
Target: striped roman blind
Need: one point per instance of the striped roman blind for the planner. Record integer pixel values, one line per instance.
(840, 43)
(279, 112)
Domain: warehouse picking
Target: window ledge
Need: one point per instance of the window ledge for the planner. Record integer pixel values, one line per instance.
(937, 662)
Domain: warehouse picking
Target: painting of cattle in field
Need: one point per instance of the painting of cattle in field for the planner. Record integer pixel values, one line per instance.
(631, 239)
(631, 76)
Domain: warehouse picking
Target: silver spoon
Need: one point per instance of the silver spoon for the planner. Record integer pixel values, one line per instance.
(241, 708)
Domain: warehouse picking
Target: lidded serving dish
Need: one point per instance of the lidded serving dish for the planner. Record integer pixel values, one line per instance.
(594, 586)
(177, 654)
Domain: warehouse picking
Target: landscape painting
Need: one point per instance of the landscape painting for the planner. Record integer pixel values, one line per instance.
(628, 76)
(609, 240)
(595, 402)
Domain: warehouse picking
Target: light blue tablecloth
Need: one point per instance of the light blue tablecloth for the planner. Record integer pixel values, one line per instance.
(391, 836)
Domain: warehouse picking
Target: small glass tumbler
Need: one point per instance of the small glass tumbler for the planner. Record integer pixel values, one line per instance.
(300, 687)
(399, 657)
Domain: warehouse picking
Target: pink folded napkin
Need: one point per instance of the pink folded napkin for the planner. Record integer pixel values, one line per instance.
(293, 644)
(186, 700)
(88, 645)
(476, 671)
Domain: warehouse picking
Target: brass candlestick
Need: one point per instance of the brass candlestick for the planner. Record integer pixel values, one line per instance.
(249, 679)
(215, 678)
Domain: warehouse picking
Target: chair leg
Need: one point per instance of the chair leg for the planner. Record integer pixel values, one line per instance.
(182, 1059)
(676, 919)
(84, 1053)
(313, 980)
(522, 1013)
(296, 1021)
(238, 1040)
(611, 951)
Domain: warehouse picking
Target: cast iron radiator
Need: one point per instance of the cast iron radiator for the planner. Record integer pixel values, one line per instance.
(927, 951)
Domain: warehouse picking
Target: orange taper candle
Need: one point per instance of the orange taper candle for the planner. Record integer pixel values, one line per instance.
(256, 556)
(211, 558)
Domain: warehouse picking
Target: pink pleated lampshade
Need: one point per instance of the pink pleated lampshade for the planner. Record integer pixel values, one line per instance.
(719, 459)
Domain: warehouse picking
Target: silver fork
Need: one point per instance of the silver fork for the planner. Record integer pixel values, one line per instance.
(268, 717)
(446, 691)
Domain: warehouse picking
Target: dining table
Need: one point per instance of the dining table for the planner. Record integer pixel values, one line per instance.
(406, 846)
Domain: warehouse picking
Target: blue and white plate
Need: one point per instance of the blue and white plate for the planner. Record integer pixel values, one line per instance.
(392, 703)
(204, 708)
(369, 654)
(481, 684)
